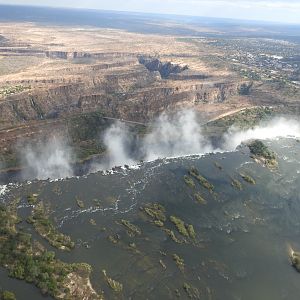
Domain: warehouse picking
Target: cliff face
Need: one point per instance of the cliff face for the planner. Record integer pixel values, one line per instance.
(39, 102)
(132, 96)
(122, 87)
(164, 68)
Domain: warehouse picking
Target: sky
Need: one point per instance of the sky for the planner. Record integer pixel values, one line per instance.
(267, 10)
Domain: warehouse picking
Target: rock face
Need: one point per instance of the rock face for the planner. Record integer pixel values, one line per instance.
(133, 96)
(165, 69)
(119, 85)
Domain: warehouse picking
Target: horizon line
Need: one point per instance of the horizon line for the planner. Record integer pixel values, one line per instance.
(259, 21)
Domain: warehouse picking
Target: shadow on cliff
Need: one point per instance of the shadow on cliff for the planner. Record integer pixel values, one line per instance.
(173, 135)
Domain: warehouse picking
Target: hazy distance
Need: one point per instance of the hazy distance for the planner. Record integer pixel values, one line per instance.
(264, 10)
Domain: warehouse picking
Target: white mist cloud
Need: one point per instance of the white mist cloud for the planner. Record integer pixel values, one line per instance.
(180, 135)
(176, 135)
(117, 140)
(170, 136)
(51, 159)
(278, 127)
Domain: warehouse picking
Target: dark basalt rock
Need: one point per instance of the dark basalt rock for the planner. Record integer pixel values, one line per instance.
(164, 68)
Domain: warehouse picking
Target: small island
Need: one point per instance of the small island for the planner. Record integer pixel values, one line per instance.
(42, 224)
(27, 259)
(262, 154)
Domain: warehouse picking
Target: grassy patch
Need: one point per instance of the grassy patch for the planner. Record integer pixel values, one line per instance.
(184, 229)
(248, 178)
(263, 154)
(11, 90)
(116, 286)
(191, 291)
(32, 199)
(132, 230)
(28, 260)
(7, 295)
(179, 262)
(295, 259)
(179, 225)
(202, 180)
(236, 184)
(189, 181)
(42, 224)
(155, 211)
(172, 235)
(80, 203)
(200, 199)
(258, 148)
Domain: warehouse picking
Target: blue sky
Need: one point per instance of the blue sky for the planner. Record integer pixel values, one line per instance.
(269, 10)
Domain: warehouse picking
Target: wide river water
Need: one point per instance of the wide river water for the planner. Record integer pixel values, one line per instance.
(243, 236)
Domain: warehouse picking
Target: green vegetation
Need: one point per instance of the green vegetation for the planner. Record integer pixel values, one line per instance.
(189, 181)
(11, 90)
(245, 88)
(244, 119)
(158, 223)
(258, 148)
(202, 180)
(32, 199)
(28, 260)
(86, 126)
(40, 220)
(192, 292)
(80, 203)
(236, 184)
(84, 130)
(183, 229)
(200, 199)
(263, 154)
(172, 235)
(295, 259)
(116, 286)
(191, 231)
(248, 178)
(179, 262)
(132, 230)
(179, 225)
(6, 295)
(156, 211)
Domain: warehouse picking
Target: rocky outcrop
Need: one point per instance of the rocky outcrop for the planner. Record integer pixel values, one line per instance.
(245, 88)
(164, 68)
(188, 75)
(132, 95)
(21, 51)
(3, 40)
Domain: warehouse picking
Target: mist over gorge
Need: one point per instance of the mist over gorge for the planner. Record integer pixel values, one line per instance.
(49, 159)
(170, 135)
